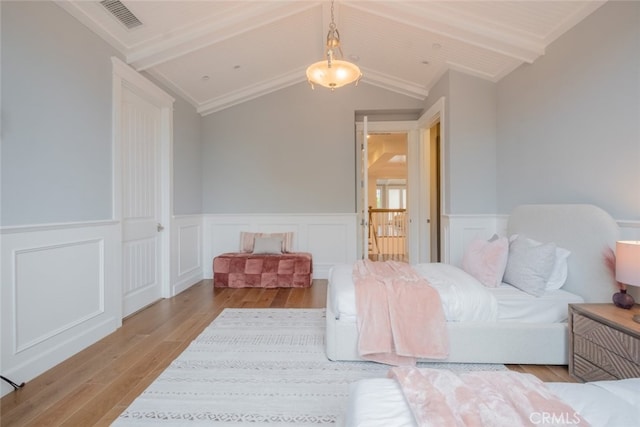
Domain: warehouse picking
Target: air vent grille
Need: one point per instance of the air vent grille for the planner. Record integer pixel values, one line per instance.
(122, 13)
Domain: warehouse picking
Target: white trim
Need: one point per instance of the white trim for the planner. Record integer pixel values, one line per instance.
(394, 84)
(253, 91)
(145, 87)
(186, 252)
(211, 30)
(628, 223)
(437, 113)
(54, 226)
(440, 19)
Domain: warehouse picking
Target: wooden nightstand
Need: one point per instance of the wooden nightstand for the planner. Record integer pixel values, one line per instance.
(604, 343)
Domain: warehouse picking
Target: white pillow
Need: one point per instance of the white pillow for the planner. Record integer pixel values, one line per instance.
(529, 265)
(560, 270)
(267, 245)
(247, 240)
(486, 260)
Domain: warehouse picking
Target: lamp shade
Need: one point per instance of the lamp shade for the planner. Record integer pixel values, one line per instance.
(628, 262)
(333, 74)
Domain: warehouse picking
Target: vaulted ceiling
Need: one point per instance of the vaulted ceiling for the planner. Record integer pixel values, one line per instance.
(217, 54)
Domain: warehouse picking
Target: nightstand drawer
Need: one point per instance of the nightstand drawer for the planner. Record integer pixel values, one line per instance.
(587, 371)
(613, 340)
(602, 357)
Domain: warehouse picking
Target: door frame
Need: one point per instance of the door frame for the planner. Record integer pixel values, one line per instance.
(125, 76)
(417, 213)
(435, 114)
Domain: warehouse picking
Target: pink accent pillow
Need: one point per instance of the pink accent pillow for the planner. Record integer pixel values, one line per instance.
(487, 260)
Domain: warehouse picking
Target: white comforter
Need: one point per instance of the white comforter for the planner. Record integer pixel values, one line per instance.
(379, 402)
(463, 297)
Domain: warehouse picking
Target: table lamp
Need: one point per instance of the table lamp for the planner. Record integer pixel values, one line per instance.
(627, 272)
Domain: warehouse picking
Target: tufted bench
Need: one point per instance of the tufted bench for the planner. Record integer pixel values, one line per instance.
(248, 270)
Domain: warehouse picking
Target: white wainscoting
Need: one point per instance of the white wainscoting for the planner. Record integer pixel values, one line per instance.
(330, 238)
(186, 252)
(459, 230)
(629, 230)
(61, 292)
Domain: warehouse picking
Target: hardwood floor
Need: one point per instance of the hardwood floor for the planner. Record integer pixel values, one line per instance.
(93, 387)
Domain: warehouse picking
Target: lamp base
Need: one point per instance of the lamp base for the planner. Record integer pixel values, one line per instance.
(623, 300)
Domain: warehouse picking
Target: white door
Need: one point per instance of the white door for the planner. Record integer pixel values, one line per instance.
(364, 189)
(140, 138)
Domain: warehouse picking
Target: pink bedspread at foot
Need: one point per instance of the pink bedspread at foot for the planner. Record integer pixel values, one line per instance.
(400, 316)
(439, 397)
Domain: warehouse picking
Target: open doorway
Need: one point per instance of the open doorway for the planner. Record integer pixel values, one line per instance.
(387, 196)
(409, 187)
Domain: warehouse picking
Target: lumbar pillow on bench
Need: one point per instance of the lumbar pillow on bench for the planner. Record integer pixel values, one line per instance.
(267, 245)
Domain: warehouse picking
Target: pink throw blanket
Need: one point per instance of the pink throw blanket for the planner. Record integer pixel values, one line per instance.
(400, 316)
(439, 397)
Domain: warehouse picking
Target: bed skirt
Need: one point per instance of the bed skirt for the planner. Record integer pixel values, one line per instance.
(247, 270)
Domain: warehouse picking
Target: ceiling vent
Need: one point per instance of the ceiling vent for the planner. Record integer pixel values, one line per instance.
(122, 13)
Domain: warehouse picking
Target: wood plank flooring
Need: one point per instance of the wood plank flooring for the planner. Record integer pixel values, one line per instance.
(93, 387)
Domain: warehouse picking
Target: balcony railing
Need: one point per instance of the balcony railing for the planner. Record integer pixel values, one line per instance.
(387, 234)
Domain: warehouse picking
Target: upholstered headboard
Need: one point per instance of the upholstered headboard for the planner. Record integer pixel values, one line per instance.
(585, 230)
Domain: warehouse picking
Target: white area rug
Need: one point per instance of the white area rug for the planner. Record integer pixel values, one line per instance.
(256, 366)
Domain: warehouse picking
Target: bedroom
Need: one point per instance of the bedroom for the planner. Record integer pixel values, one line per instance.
(564, 129)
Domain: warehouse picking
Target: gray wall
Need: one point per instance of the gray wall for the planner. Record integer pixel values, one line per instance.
(569, 124)
(472, 140)
(56, 122)
(291, 151)
(56, 117)
(469, 142)
(187, 164)
(568, 130)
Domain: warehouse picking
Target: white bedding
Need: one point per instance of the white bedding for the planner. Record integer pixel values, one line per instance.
(464, 299)
(550, 307)
(379, 402)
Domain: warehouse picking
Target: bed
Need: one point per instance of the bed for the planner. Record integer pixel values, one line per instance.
(584, 230)
(380, 402)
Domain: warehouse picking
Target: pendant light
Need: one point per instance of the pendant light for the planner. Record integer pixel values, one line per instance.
(333, 72)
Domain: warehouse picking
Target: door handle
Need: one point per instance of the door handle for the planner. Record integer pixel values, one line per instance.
(160, 227)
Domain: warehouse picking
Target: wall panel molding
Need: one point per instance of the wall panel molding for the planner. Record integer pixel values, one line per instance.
(186, 252)
(330, 238)
(77, 264)
(629, 230)
(61, 292)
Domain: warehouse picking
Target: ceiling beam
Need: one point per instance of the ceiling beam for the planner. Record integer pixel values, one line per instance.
(238, 20)
(437, 18)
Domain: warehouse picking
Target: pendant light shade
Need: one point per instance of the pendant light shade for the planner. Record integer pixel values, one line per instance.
(333, 72)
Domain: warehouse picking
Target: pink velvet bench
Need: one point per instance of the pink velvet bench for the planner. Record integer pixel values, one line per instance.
(247, 270)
